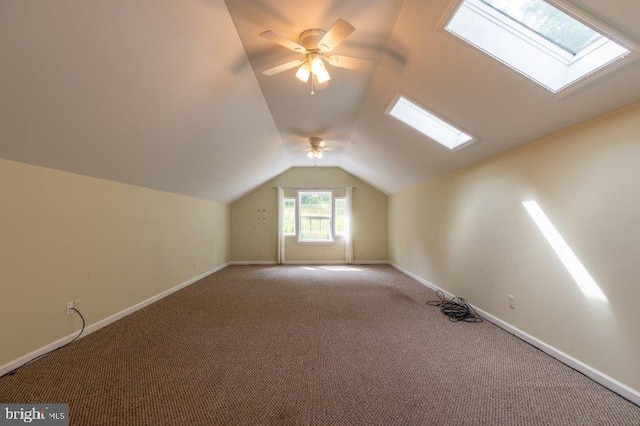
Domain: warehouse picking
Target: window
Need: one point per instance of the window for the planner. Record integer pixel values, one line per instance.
(428, 124)
(315, 216)
(340, 215)
(540, 41)
(289, 216)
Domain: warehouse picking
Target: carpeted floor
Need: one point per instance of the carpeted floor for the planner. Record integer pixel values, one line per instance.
(310, 345)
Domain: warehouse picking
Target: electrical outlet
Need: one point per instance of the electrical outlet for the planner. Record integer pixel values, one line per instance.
(417, 263)
(70, 306)
(512, 302)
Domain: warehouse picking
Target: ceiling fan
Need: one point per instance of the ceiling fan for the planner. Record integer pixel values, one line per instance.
(316, 148)
(314, 44)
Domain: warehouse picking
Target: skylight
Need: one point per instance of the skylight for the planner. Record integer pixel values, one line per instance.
(551, 23)
(428, 124)
(538, 40)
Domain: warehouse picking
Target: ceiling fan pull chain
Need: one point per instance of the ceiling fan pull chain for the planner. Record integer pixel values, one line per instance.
(313, 86)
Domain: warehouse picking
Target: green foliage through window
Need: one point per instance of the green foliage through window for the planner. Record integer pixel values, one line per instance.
(289, 216)
(315, 216)
(551, 23)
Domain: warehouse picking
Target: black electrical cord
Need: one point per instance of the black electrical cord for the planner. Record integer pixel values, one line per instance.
(457, 309)
(12, 372)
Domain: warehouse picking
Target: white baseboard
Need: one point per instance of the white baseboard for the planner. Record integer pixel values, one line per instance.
(308, 262)
(12, 365)
(610, 383)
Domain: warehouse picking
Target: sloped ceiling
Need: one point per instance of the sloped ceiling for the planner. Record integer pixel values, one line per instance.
(140, 92)
(169, 95)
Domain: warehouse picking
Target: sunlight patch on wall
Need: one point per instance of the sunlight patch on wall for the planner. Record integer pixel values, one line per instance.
(578, 272)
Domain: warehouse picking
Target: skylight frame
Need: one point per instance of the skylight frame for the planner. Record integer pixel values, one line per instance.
(431, 116)
(550, 48)
(563, 45)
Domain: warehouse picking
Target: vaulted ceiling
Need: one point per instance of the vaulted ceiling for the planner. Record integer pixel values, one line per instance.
(170, 95)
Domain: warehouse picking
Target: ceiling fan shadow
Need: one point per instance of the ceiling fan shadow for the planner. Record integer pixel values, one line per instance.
(304, 133)
(261, 57)
(257, 11)
(394, 52)
(338, 8)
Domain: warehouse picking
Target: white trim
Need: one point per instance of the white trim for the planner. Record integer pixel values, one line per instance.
(420, 279)
(595, 375)
(12, 365)
(608, 382)
(253, 262)
(307, 262)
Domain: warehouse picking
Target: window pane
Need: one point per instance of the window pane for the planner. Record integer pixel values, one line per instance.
(551, 23)
(289, 216)
(341, 211)
(315, 216)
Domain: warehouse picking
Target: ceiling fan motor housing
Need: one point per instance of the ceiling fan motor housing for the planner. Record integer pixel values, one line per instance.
(310, 38)
(316, 142)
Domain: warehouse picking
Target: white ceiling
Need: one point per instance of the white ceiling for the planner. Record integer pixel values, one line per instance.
(169, 95)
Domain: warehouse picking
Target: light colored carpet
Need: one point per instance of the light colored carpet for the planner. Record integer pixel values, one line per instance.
(310, 345)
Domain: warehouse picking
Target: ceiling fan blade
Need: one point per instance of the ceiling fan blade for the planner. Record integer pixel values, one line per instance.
(348, 62)
(282, 67)
(283, 41)
(336, 34)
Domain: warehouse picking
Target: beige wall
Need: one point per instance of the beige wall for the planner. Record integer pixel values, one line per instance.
(66, 237)
(254, 220)
(469, 233)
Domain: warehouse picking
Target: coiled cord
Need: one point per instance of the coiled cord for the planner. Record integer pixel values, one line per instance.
(457, 309)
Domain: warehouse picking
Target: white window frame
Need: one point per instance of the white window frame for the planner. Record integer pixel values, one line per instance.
(335, 215)
(295, 215)
(571, 72)
(331, 217)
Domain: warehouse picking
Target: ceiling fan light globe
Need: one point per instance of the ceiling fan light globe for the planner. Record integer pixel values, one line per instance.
(323, 76)
(317, 66)
(319, 155)
(310, 154)
(303, 72)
